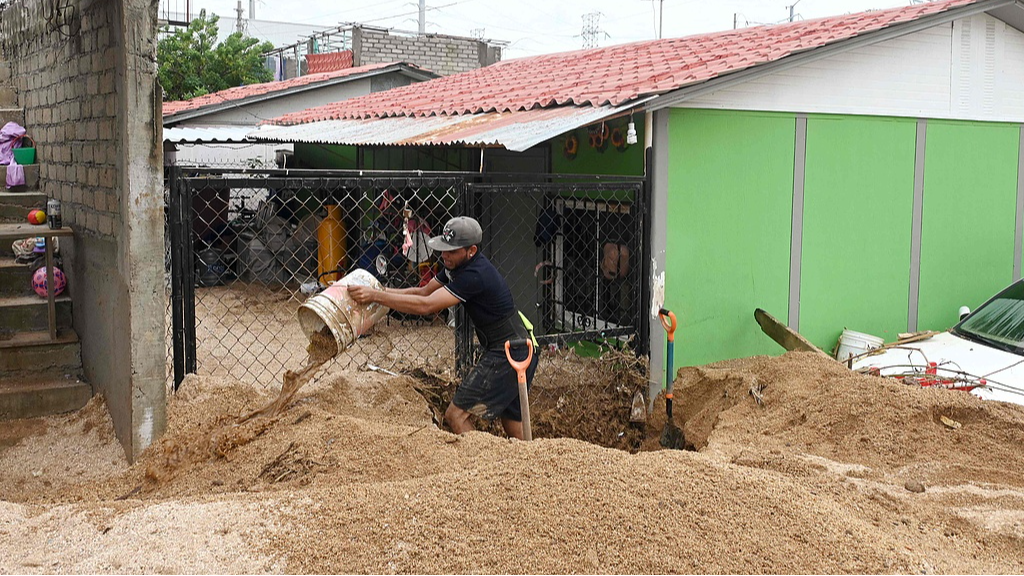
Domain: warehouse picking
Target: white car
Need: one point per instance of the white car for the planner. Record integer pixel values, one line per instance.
(983, 354)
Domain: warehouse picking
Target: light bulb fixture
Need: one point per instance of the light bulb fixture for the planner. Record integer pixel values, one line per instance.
(631, 133)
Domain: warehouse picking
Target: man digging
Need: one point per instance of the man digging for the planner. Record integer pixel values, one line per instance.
(490, 390)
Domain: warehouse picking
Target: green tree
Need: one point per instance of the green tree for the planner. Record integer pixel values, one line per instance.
(192, 63)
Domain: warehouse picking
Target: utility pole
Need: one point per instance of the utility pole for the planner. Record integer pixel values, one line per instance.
(661, 17)
(791, 15)
(252, 10)
(423, 16)
(239, 22)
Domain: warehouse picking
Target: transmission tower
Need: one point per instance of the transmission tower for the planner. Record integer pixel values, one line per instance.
(591, 32)
(477, 33)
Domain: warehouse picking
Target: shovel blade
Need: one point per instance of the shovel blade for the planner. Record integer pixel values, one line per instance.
(672, 437)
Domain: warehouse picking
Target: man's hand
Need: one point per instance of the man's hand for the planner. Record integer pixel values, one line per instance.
(363, 294)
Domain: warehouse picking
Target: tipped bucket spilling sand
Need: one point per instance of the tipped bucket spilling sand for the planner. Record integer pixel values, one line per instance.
(335, 310)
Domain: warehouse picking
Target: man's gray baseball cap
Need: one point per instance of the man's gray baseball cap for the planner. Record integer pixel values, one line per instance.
(459, 232)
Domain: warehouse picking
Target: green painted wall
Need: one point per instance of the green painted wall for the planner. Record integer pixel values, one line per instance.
(858, 209)
(588, 160)
(970, 191)
(730, 190)
(326, 156)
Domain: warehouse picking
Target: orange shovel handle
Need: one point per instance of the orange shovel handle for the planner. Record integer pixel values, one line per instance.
(668, 321)
(519, 366)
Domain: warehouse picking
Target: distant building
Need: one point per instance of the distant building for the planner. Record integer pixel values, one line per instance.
(354, 45)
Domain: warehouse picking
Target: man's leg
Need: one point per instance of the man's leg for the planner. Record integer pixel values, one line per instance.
(514, 428)
(458, 419)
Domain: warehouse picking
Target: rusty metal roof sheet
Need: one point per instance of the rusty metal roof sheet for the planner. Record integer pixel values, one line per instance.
(516, 131)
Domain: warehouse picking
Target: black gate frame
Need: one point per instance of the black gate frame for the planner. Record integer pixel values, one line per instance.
(469, 186)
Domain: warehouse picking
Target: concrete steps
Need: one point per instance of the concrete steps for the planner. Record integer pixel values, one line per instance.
(31, 179)
(32, 396)
(40, 374)
(15, 279)
(12, 114)
(14, 206)
(34, 352)
(29, 313)
(8, 97)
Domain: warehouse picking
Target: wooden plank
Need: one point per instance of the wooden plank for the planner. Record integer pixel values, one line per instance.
(12, 232)
(51, 305)
(784, 335)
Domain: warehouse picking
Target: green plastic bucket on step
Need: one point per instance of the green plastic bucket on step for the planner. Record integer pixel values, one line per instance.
(25, 154)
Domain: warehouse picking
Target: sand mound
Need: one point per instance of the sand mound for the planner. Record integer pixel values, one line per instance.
(802, 467)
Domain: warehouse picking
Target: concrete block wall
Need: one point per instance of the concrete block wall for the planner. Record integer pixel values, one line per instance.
(86, 77)
(71, 112)
(444, 55)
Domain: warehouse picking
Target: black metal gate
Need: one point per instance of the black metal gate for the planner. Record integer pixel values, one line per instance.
(245, 249)
(573, 253)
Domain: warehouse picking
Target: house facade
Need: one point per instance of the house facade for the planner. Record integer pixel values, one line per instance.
(862, 171)
(876, 189)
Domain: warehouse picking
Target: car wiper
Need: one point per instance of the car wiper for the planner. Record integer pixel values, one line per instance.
(987, 341)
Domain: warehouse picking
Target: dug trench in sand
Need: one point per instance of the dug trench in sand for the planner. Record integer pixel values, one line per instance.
(321, 349)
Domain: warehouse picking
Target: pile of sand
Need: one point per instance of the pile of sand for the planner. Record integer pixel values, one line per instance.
(803, 467)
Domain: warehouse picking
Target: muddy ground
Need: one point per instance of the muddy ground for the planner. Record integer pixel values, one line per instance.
(801, 467)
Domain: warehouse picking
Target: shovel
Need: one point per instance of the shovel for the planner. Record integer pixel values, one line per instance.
(520, 368)
(671, 435)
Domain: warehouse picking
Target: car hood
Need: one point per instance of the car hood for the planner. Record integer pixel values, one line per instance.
(954, 357)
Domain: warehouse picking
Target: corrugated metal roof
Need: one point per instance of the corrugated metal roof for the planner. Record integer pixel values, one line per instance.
(207, 135)
(239, 93)
(516, 131)
(615, 75)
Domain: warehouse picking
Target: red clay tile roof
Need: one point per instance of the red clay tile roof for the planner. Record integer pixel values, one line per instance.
(241, 92)
(317, 63)
(614, 75)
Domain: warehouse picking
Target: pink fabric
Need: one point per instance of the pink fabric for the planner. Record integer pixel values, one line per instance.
(10, 138)
(15, 174)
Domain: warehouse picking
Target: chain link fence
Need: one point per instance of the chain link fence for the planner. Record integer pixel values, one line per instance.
(246, 247)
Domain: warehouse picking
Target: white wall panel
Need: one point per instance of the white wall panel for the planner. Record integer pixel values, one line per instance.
(970, 69)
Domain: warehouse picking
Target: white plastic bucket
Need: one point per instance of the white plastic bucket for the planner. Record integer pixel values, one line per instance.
(334, 308)
(852, 343)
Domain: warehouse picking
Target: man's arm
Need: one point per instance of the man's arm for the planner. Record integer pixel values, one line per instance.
(423, 300)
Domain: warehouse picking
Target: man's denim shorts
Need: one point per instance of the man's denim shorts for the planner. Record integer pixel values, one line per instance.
(491, 390)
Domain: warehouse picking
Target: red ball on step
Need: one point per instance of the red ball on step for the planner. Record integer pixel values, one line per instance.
(37, 217)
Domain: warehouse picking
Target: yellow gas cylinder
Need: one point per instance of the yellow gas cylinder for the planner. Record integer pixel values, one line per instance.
(330, 236)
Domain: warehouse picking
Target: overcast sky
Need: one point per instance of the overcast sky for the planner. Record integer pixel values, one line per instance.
(542, 26)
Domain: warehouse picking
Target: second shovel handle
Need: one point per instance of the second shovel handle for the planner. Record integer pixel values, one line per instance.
(668, 321)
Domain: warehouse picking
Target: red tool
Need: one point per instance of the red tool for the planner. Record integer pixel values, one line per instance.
(520, 368)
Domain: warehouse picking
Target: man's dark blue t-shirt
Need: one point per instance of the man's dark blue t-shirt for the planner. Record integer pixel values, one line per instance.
(482, 290)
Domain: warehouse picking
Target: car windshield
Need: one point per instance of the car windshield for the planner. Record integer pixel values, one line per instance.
(1000, 321)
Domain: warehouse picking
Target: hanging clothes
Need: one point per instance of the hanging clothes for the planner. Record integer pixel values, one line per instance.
(10, 138)
(15, 174)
